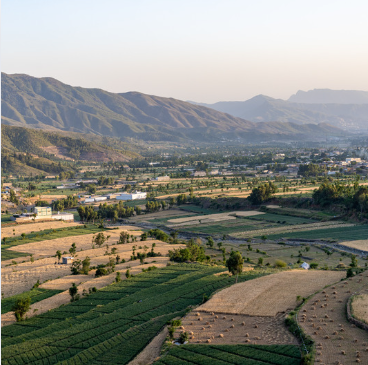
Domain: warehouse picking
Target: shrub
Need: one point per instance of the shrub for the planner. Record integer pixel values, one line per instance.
(280, 263)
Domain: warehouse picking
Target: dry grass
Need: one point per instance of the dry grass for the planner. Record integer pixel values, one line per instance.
(323, 318)
(236, 329)
(34, 227)
(269, 295)
(358, 244)
(360, 307)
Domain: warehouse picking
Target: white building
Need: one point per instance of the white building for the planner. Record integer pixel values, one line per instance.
(161, 178)
(136, 195)
(63, 216)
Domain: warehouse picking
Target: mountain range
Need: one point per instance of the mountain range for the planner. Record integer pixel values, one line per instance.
(46, 103)
(346, 109)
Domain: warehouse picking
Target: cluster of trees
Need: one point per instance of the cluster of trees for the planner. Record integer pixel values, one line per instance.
(350, 196)
(102, 180)
(309, 170)
(87, 213)
(115, 211)
(192, 252)
(65, 175)
(262, 193)
(65, 203)
(154, 205)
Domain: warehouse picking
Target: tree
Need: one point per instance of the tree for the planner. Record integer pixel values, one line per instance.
(118, 277)
(141, 257)
(262, 193)
(99, 239)
(219, 244)
(21, 307)
(210, 242)
(58, 255)
(117, 259)
(144, 236)
(354, 261)
(73, 249)
(73, 290)
(235, 263)
(85, 266)
(123, 237)
(127, 274)
(75, 268)
(260, 261)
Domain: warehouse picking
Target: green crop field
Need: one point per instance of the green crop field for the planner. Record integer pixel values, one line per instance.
(47, 234)
(5, 218)
(231, 354)
(200, 210)
(279, 218)
(36, 295)
(358, 232)
(114, 324)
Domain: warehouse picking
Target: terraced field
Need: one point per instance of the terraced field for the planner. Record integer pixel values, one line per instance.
(231, 354)
(125, 316)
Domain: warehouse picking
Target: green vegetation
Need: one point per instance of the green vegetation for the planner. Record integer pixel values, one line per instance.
(47, 234)
(124, 315)
(358, 232)
(36, 295)
(231, 354)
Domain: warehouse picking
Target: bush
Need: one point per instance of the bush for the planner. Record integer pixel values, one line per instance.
(313, 265)
(183, 337)
(280, 263)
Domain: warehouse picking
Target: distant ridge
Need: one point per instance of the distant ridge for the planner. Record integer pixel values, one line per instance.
(49, 104)
(327, 96)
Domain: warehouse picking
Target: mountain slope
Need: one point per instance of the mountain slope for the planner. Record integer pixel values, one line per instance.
(49, 104)
(25, 151)
(265, 109)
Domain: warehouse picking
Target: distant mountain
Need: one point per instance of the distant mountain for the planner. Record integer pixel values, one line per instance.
(49, 104)
(265, 109)
(327, 96)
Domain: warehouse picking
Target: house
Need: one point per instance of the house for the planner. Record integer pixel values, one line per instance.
(305, 266)
(43, 212)
(199, 173)
(136, 195)
(63, 216)
(161, 178)
(67, 260)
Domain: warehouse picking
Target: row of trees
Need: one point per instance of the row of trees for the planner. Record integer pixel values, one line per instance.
(65, 203)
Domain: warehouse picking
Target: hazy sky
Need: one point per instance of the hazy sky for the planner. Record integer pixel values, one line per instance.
(201, 50)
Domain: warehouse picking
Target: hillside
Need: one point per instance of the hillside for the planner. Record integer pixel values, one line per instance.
(265, 109)
(26, 151)
(327, 96)
(49, 104)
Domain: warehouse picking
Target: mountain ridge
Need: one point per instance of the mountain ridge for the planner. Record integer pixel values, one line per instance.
(47, 103)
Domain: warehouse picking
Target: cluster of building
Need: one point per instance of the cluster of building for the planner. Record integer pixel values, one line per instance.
(43, 213)
(136, 195)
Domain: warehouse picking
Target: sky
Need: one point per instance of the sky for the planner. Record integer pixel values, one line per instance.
(202, 50)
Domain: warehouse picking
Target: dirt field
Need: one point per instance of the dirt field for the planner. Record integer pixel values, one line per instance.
(323, 317)
(360, 307)
(358, 244)
(219, 328)
(269, 295)
(84, 283)
(34, 227)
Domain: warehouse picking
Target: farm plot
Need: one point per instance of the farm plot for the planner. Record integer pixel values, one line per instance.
(270, 295)
(358, 244)
(286, 231)
(19, 278)
(9, 249)
(17, 230)
(343, 233)
(281, 219)
(231, 354)
(359, 307)
(123, 315)
(218, 328)
(323, 318)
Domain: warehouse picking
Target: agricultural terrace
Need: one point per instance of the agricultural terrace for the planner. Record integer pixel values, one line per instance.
(323, 318)
(127, 314)
(22, 276)
(18, 229)
(231, 354)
